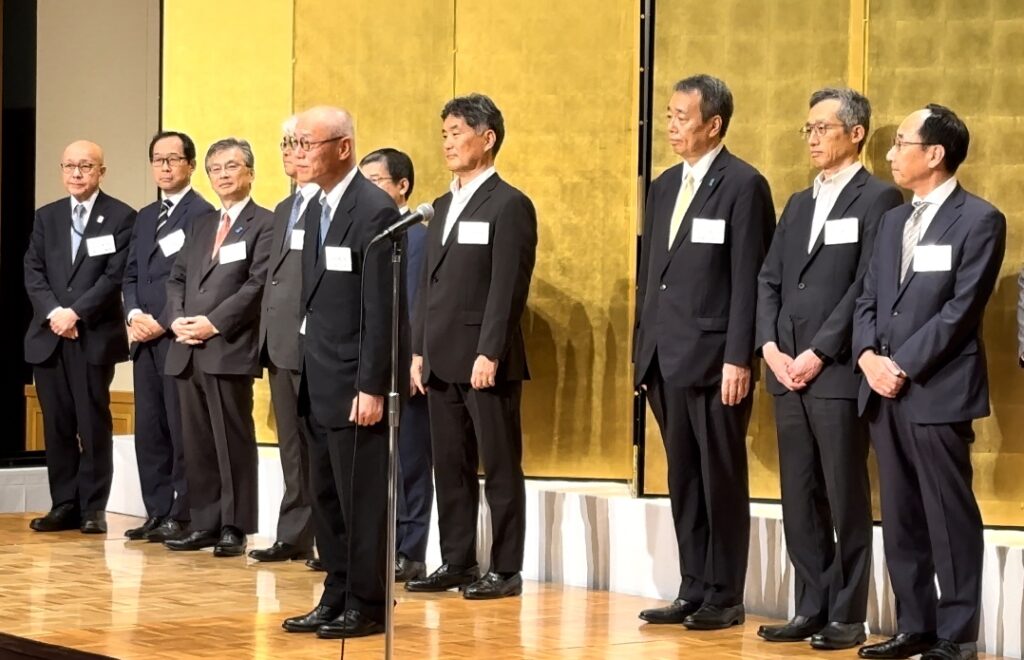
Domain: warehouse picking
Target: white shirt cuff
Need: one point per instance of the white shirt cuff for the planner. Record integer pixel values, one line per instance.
(132, 314)
(52, 312)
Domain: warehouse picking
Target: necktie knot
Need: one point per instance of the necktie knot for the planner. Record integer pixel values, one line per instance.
(166, 205)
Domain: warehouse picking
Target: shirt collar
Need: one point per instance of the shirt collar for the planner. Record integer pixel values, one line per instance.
(235, 210)
(175, 198)
(88, 204)
(940, 194)
(463, 193)
(404, 209)
(838, 180)
(333, 197)
(701, 167)
(307, 190)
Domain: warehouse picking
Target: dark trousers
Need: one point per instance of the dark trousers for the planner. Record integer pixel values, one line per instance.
(706, 449)
(220, 450)
(826, 504)
(931, 524)
(295, 519)
(416, 480)
(348, 478)
(75, 399)
(468, 427)
(159, 447)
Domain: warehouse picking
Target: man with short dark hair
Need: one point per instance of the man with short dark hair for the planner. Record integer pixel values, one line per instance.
(213, 298)
(807, 289)
(73, 270)
(157, 237)
(468, 350)
(707, 226)
(391, 170)
(917, 337)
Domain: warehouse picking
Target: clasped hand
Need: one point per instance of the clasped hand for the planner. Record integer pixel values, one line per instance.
(193, 330)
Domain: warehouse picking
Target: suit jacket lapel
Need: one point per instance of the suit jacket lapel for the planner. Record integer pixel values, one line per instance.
(712, 181)
(482, 194)
(847, 196)
(278, 250)
(93, 227)
(235, 234)
(341, 222)
(944, 218)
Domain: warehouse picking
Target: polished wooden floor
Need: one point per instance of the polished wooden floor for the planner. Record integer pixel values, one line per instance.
(138, 600)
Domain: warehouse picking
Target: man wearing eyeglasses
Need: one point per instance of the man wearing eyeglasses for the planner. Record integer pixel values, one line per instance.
(213, 304)
(280, 318)
(917, 338)
(73, 271)
(807, 289)
(157, 237)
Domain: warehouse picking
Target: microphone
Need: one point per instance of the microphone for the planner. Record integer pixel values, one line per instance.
(423, 213)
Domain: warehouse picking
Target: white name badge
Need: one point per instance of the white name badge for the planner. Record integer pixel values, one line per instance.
(841, 231)
(231, 253)
(706, 230)
(302, 328)
(933, 258)
(473, 232)
(100, 245)
(298, 236)
(338, 259)
(171, 243)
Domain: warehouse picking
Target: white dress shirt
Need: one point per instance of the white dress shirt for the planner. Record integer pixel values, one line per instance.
(460, 198)
(700, 169)
(333, 198)
(934, 200)
(826, 192)
(233, 212)
(88, 204)
(175, 198)
(308, 191)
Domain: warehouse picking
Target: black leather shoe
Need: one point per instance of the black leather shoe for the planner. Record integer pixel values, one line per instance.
(445, 578)
(315, 564)
(280, 551)
(797, 629)
(350, 624)
(60, 518)
(168, 530)
(493, 585)
(674, 613)
(197, 540)
(231, 544)
(836, 636)
(714, 617)
(902, 645)
(406, 569)
(139, 533)
(947, 650)
(312, 620)
(94, 522)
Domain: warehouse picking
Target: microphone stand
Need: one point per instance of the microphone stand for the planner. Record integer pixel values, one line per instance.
(394, 416)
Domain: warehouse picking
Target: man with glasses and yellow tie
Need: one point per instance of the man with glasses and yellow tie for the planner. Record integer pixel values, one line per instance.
(73, 269)
(707, 226)
(213, 302)
(157, 238)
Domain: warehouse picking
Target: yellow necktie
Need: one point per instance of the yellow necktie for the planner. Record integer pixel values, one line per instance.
(682, 203)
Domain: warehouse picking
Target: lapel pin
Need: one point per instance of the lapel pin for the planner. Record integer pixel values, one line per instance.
(238, 230)
(711, 183)
(99, 220)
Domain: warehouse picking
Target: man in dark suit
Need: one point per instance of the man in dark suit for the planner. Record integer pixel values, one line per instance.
(391, 171)
(213, 298)
(468, 349)
(807, 288)
(157, 238)
(346, 360)
(917, 336)
(73, 269)
(707, 226)
(280, 318)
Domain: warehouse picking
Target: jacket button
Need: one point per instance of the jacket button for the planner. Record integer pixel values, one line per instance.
(274, 282)
(801, 286)
(309, 310)
(202, 290)
(433, 279)
(69, 289)
(663, 287)
(895, 313)
(149, 280)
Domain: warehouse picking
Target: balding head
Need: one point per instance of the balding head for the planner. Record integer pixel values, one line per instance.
(82, 168)
(326, 151)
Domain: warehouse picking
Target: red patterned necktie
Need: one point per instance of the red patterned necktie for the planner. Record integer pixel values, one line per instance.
(222, 232)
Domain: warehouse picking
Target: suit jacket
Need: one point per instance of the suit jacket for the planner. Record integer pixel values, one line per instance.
(471, 297)
(227, 294)
(415, 254)
(281, 307)
(806, 300)
(340, 357)
(145, 274)
(91, 286)
(696, 301)
(931, 325)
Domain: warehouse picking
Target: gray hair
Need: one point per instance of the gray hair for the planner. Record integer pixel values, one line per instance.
(288, 125)
(231, 143)
(854, 107)
(715, 98)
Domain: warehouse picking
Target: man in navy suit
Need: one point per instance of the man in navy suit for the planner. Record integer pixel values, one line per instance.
(157, 238)
(392, 171)
(806, 293)
(73, 269)
(917, 335)
(707, 226)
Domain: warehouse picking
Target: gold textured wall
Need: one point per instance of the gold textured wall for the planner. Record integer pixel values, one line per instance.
(968, 56)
